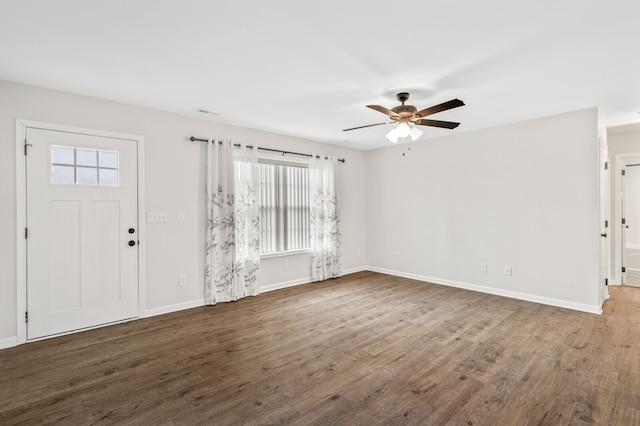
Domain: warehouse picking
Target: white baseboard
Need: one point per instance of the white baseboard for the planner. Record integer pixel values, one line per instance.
(354, 270)
(278, 286)
(495, 291)
(306, 280)
(8, 342)
(172, 308)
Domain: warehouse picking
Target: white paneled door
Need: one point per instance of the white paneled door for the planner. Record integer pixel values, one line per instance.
(82, 231)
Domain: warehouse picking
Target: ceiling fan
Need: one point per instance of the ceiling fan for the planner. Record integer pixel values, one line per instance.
(407, 115)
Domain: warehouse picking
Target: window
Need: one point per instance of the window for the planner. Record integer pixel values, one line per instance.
(284, 210)
(84, 166)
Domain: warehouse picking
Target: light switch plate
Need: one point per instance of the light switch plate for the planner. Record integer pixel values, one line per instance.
(157, 217)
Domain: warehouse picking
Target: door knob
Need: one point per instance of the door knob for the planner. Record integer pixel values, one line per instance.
(132, 243)
(604, 235)
(131, 230)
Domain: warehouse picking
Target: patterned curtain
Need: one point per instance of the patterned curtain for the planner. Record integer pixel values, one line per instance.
(232, 254)
(326, 261)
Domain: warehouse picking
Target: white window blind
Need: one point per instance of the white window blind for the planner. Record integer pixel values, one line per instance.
(284, 194)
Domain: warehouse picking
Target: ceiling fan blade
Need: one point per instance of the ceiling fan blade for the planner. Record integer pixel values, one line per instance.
(437, 123)
(383, 110)
(368, 125)
(453, 103)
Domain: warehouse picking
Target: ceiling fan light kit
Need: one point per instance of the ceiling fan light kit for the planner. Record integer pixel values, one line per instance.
(415, 133)
(392, 136)
(402, 131)
(408, 116)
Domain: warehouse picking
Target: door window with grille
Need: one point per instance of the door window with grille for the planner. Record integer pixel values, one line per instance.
(84, 166)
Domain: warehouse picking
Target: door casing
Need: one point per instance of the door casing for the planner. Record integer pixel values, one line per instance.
(605, 217)
(616, 228)
(21, 213)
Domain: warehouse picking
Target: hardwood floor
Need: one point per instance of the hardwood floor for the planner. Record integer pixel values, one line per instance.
(360, 350)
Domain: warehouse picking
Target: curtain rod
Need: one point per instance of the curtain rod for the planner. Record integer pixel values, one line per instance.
(194, 139)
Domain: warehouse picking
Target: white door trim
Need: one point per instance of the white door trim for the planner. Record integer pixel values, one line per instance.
(21, 214)
(604, 189)
(617, 215)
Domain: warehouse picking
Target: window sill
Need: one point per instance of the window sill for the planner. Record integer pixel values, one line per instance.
(284, 253)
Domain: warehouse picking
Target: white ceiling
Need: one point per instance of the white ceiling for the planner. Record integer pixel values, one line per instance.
(307, 68)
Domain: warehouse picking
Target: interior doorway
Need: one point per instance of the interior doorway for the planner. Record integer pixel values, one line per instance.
(630, 220)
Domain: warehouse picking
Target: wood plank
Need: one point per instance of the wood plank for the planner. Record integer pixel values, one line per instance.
(367, 348)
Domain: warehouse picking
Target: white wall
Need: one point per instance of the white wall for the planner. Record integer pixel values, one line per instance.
(624, 139)
(523, 195)
(174, 181)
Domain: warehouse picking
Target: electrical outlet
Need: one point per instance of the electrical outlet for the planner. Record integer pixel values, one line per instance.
(484, 267)
(182, 280)
(181, 216)
(507, 271)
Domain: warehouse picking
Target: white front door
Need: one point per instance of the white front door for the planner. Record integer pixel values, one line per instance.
(631, 225)
(82, 231)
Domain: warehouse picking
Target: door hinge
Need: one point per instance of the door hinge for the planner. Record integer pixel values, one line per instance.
(25, 233)
(623, 172)
(624, 220)
(606, 223)
(624, 269)
(26, 316)
(606, 281)
(606, 166)
(25, 146)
